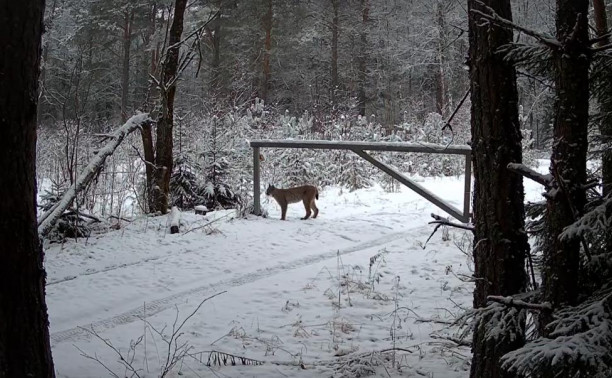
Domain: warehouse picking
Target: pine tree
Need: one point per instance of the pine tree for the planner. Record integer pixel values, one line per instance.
(500, 243)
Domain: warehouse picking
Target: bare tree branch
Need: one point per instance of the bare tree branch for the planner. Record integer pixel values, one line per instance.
(445, 222)
(498, 20)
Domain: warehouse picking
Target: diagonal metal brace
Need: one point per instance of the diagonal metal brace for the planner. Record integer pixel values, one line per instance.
(450, 209)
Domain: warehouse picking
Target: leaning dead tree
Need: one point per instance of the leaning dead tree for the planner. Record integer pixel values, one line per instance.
(49, 218)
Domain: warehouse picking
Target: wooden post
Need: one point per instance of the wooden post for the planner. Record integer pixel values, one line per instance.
(175, 220)
(468, 187)
(256, 185)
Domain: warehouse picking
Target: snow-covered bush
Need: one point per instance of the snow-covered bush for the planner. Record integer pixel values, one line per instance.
(185, 186)
(72, 223)
(217, 193)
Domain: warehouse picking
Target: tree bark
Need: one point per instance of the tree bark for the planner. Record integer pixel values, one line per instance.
(605, 128)
(267, 25)
(24, 326)
(334, 51)
(440, 82)
(363, 58)
(568, 160)
(213, 36)
(43, 65)
(500, 242)
(146, 132)
(165, 123)
(128, 17)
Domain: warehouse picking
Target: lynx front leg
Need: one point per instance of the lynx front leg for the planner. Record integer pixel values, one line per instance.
(307, 207)
(283, 211)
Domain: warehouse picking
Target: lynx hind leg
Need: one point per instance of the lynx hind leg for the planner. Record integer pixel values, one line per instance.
(307, 207)
(314, 208)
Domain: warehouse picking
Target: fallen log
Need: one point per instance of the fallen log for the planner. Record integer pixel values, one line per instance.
(48, 219)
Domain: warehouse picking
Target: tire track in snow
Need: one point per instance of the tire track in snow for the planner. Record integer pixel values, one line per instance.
(107, 269)
(154, 307)
(90, 272)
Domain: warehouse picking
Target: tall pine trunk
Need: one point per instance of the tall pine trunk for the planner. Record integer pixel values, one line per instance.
(45, 57)
(24, 334)
(146, 131)
(334, 51)
(568, 160)
(363, 57)
(128, 20)
(213, 33)
(500, 242)
(165, 123)
(267, 25)
(605, 128)
(441, 104)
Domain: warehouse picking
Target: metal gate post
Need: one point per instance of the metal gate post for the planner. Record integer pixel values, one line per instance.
(256, 185)
(467, 187)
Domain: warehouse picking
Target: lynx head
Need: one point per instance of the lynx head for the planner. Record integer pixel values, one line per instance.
(270, 189)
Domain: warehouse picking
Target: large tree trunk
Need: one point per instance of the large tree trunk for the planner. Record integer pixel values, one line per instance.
(334, 51)
(128, 20)
(568, 160)
(45, 54)
(500, 242)
(363, 58)
(440, 81)
(605, 128)
(146, 132)
(163, 150)
(24, 334)
(267, 25)
(213, 34)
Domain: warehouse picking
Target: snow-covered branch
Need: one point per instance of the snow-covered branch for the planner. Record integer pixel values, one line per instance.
(439, 222)
(511, 302)
(445, 222)
(578, 344)
(525, 171)
(597, 220)
(48, 219)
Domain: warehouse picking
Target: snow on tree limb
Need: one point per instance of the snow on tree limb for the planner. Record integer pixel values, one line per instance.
(597, 220)
(512, 302)
(48, 219)
(578, 344)
(525, 171)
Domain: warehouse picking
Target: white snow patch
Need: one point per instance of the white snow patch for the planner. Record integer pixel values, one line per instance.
(286, 284)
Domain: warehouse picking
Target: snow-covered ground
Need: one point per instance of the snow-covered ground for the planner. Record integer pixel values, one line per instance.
(309, 298)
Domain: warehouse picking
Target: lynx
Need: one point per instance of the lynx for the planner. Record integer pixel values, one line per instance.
(306, 194)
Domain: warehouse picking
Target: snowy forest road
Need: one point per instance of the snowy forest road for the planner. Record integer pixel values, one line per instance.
(76, 322)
